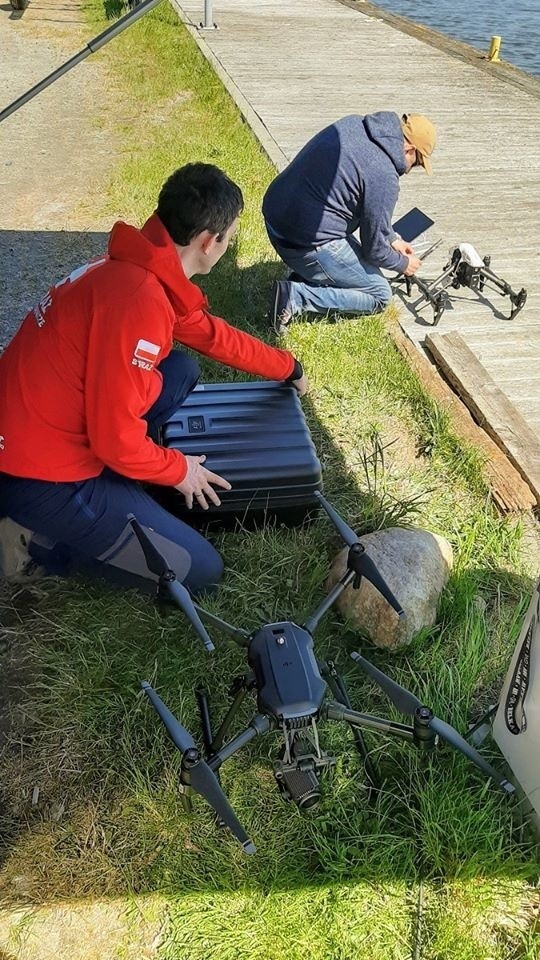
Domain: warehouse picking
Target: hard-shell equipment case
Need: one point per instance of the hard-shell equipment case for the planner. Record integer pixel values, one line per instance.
(254, 435)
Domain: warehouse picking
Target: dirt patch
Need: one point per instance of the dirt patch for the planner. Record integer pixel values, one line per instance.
(85, 931)
(54, 155)
(531, 544)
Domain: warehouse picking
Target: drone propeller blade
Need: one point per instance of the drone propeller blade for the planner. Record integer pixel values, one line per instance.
(202, 778)
(363, 565)
(367, 569)
(455, 740)
(178, 734)
(405, 701)
(155, 561)
(181, 596)
(158, 565)
(344, 530)
(205, 782)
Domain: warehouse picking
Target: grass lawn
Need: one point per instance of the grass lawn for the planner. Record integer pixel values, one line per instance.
(346, 882)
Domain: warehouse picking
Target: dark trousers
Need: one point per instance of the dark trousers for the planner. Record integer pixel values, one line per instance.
(82, 525)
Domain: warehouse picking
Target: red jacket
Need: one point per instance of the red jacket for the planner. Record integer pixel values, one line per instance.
(80, 373)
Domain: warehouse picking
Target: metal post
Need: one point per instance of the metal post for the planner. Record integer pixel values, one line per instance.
(208, 23)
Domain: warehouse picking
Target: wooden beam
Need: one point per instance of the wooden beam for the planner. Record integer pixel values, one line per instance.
(490, 407)
(509, 491)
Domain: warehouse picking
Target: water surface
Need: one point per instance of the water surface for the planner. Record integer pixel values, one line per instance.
(476, 21)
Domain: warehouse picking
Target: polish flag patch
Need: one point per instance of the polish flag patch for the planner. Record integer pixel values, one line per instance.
(146, 351)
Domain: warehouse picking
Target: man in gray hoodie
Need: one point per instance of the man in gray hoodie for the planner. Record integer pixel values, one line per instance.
(345, 179)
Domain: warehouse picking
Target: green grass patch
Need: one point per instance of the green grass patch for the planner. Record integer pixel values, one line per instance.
(107, 821)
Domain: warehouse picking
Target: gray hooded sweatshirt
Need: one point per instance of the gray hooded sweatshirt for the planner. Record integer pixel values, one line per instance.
(346, 178)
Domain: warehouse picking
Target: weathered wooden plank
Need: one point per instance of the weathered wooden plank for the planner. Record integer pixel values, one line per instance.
(510, 492)
(489, 405)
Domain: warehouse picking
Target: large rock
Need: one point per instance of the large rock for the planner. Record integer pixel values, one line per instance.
(416, 565)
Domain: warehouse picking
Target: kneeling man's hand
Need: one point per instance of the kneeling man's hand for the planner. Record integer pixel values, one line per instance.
(401, 246)
(413, 265)
(196, 483)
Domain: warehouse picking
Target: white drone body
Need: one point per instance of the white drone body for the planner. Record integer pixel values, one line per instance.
(469, 254)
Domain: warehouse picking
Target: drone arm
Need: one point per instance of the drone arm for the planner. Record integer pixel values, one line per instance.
(497, 282)
(338, 711)
(311, 623)
(241, 636)
(258, 725)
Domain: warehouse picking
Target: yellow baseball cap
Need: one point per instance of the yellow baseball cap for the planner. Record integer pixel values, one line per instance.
(421, 133)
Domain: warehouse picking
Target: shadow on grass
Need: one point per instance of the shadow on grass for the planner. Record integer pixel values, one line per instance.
(92, 806)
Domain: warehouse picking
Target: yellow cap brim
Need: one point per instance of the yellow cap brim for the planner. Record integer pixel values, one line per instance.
(426, 163)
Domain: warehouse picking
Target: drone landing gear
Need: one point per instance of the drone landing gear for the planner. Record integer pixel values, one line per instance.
(337, 686)
(213, 742)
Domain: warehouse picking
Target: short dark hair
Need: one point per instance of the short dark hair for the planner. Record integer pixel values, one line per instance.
(197, 197)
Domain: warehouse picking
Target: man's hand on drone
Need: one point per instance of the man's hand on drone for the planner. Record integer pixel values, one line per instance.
(301, 385)
(401, 246)
(414, 263)
(196, 483)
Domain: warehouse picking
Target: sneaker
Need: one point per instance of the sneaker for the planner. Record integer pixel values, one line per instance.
(16, 564)
(281, 310)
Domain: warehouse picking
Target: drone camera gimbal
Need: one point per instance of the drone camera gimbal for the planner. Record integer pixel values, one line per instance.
(291, 687)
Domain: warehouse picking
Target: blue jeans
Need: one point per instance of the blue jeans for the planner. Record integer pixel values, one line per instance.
(82, 525)
(335, 276)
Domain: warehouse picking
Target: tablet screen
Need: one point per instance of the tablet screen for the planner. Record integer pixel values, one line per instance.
(412, 225)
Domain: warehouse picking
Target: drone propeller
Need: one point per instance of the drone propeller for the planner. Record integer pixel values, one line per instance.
(405, 701)
(158, 565)
(178, 734)
(359, 560)
(202, 778)
(344, 530)
(408, 704)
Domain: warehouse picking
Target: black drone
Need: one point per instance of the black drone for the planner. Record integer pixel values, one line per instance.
(290, 685)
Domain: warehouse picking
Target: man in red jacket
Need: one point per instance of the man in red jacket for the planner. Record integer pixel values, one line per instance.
(91, 375)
